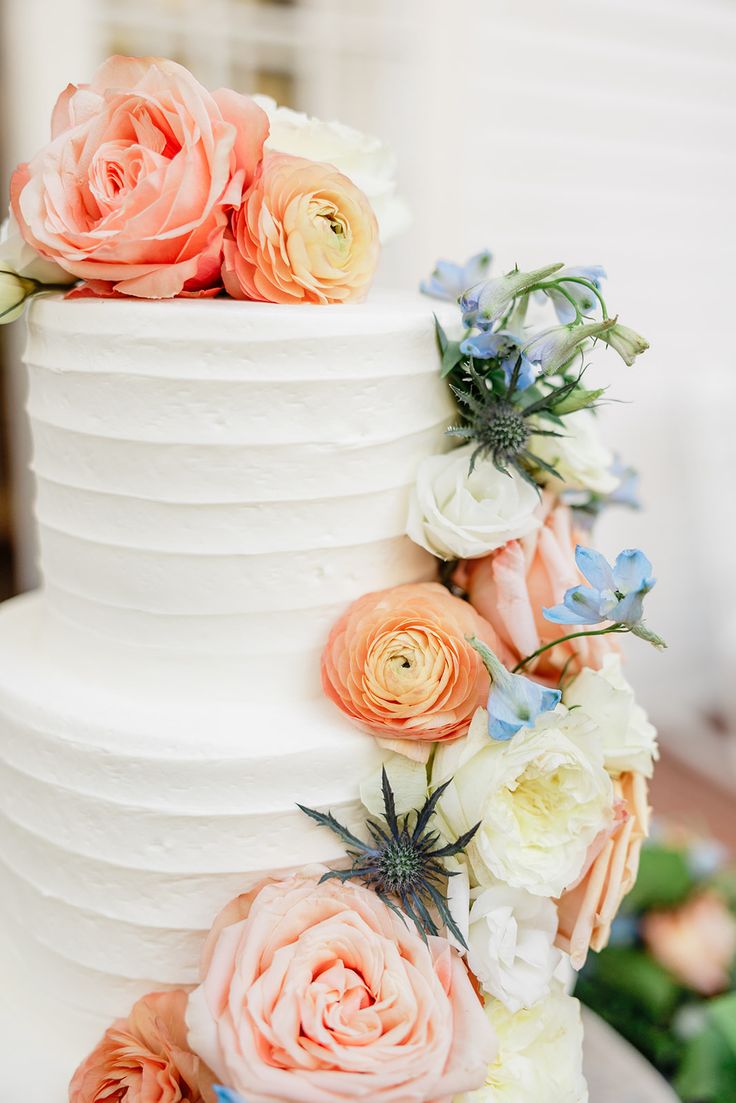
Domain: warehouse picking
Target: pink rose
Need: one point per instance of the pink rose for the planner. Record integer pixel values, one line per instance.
(696, 942)
(132, 193)
(510, 587)
(587, 909)
(145, 1059)
(305, 233)
(319, 993)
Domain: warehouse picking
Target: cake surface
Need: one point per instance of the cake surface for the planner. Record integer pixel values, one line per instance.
(216, 481)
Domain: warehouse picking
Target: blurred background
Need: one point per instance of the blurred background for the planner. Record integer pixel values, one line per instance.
(573, 131)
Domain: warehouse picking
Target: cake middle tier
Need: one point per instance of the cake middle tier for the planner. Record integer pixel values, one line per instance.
(220, 479)
(129, 816)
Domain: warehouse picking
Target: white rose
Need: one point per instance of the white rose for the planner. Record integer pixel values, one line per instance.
(16, 255)
(628, 739)
(510, 936)
(579, 455)
(361, 157)
(540, 1054)
(457, 515)
(541, 799)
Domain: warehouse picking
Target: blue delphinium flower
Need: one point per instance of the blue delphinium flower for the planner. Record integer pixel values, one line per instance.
(449, 280)
(586, 301)
(615, 593)
(504, 347)
(227, 1095)
(486, 302)
(514, 701)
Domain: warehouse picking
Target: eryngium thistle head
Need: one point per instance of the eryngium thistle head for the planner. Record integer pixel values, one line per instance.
(498, 428)
(404, 865)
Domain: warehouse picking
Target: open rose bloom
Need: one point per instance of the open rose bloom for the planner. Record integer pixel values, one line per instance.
(145, 1059)
(319, 993)
(399, 663)
(512, 586)
(133, 192)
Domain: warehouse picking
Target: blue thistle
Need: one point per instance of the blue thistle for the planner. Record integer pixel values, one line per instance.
(403, 862)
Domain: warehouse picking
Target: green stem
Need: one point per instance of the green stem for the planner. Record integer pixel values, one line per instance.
(591, 287)
(564, 639)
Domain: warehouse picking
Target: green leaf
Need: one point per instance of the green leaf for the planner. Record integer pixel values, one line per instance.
(664, 880)
(640, 978)
(708, 1070)
(449, 350)
(722, 1013)
(578, 399)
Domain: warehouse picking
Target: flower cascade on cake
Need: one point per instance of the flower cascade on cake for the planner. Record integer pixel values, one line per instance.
(154, 187)
(503, 827)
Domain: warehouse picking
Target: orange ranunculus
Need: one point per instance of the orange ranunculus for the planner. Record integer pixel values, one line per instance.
(145, 1059)
(133, 192)
(315, 991)
(304, 233)
(696, 942)
(510, 588)
(586, 911)
(399, 662)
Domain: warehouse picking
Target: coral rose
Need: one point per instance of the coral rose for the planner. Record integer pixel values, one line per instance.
(145, 1059)
(586, 911)
(398, 661)
(132, 194)
(511, 587)
(696, 942)
(305, 233)
(319, 993)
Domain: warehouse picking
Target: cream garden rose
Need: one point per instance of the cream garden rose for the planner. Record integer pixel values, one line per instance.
(539, 1057)
(458, 514)
(541, 799)
(364, 159)
(510, 935)
(629, 740)
(579, 454)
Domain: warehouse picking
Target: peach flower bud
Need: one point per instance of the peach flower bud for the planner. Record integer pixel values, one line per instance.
(304, 233)
(510, 588)
(696, 942)
(317, 991)
(399, 662)
(586, 911)
(145, 1059)
(133, 192)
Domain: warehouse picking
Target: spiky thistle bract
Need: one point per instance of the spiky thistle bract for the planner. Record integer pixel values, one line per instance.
(404, 862)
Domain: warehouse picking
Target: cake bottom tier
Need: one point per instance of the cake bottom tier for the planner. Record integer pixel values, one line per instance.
(128, 821)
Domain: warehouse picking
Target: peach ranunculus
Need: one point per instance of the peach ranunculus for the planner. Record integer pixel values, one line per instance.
(695, 942)
(145, 1059)
(133, 192)
(398, 661)
(320, 993)
(586, 911)
(510, 588)
(304, 233)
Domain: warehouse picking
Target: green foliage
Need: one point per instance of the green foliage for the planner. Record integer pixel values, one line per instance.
(639, 978)
(664, 880)
(707, 1072)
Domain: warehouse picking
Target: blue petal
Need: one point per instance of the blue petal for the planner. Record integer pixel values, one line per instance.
(449, 280)
(527, 373)
(515, 702)
(483, 346)
(595, 568)
(227, 1095)
(630, 609)
(580, 606)
(502, 730)
(632, 571)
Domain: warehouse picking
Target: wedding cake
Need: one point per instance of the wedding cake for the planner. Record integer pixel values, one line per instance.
(242, 702)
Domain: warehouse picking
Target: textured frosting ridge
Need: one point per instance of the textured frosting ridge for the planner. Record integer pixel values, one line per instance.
(215, 482)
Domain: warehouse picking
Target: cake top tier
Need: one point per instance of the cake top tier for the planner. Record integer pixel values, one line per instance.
(203, 466)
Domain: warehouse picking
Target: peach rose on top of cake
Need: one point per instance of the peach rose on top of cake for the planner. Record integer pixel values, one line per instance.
(400, 663)
(132, 194)
(511, 587)
(304, 233)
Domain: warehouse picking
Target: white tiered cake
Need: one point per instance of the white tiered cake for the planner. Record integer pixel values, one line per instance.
(216, 481)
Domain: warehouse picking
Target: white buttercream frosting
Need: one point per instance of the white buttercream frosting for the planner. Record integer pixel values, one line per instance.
(216, 481)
